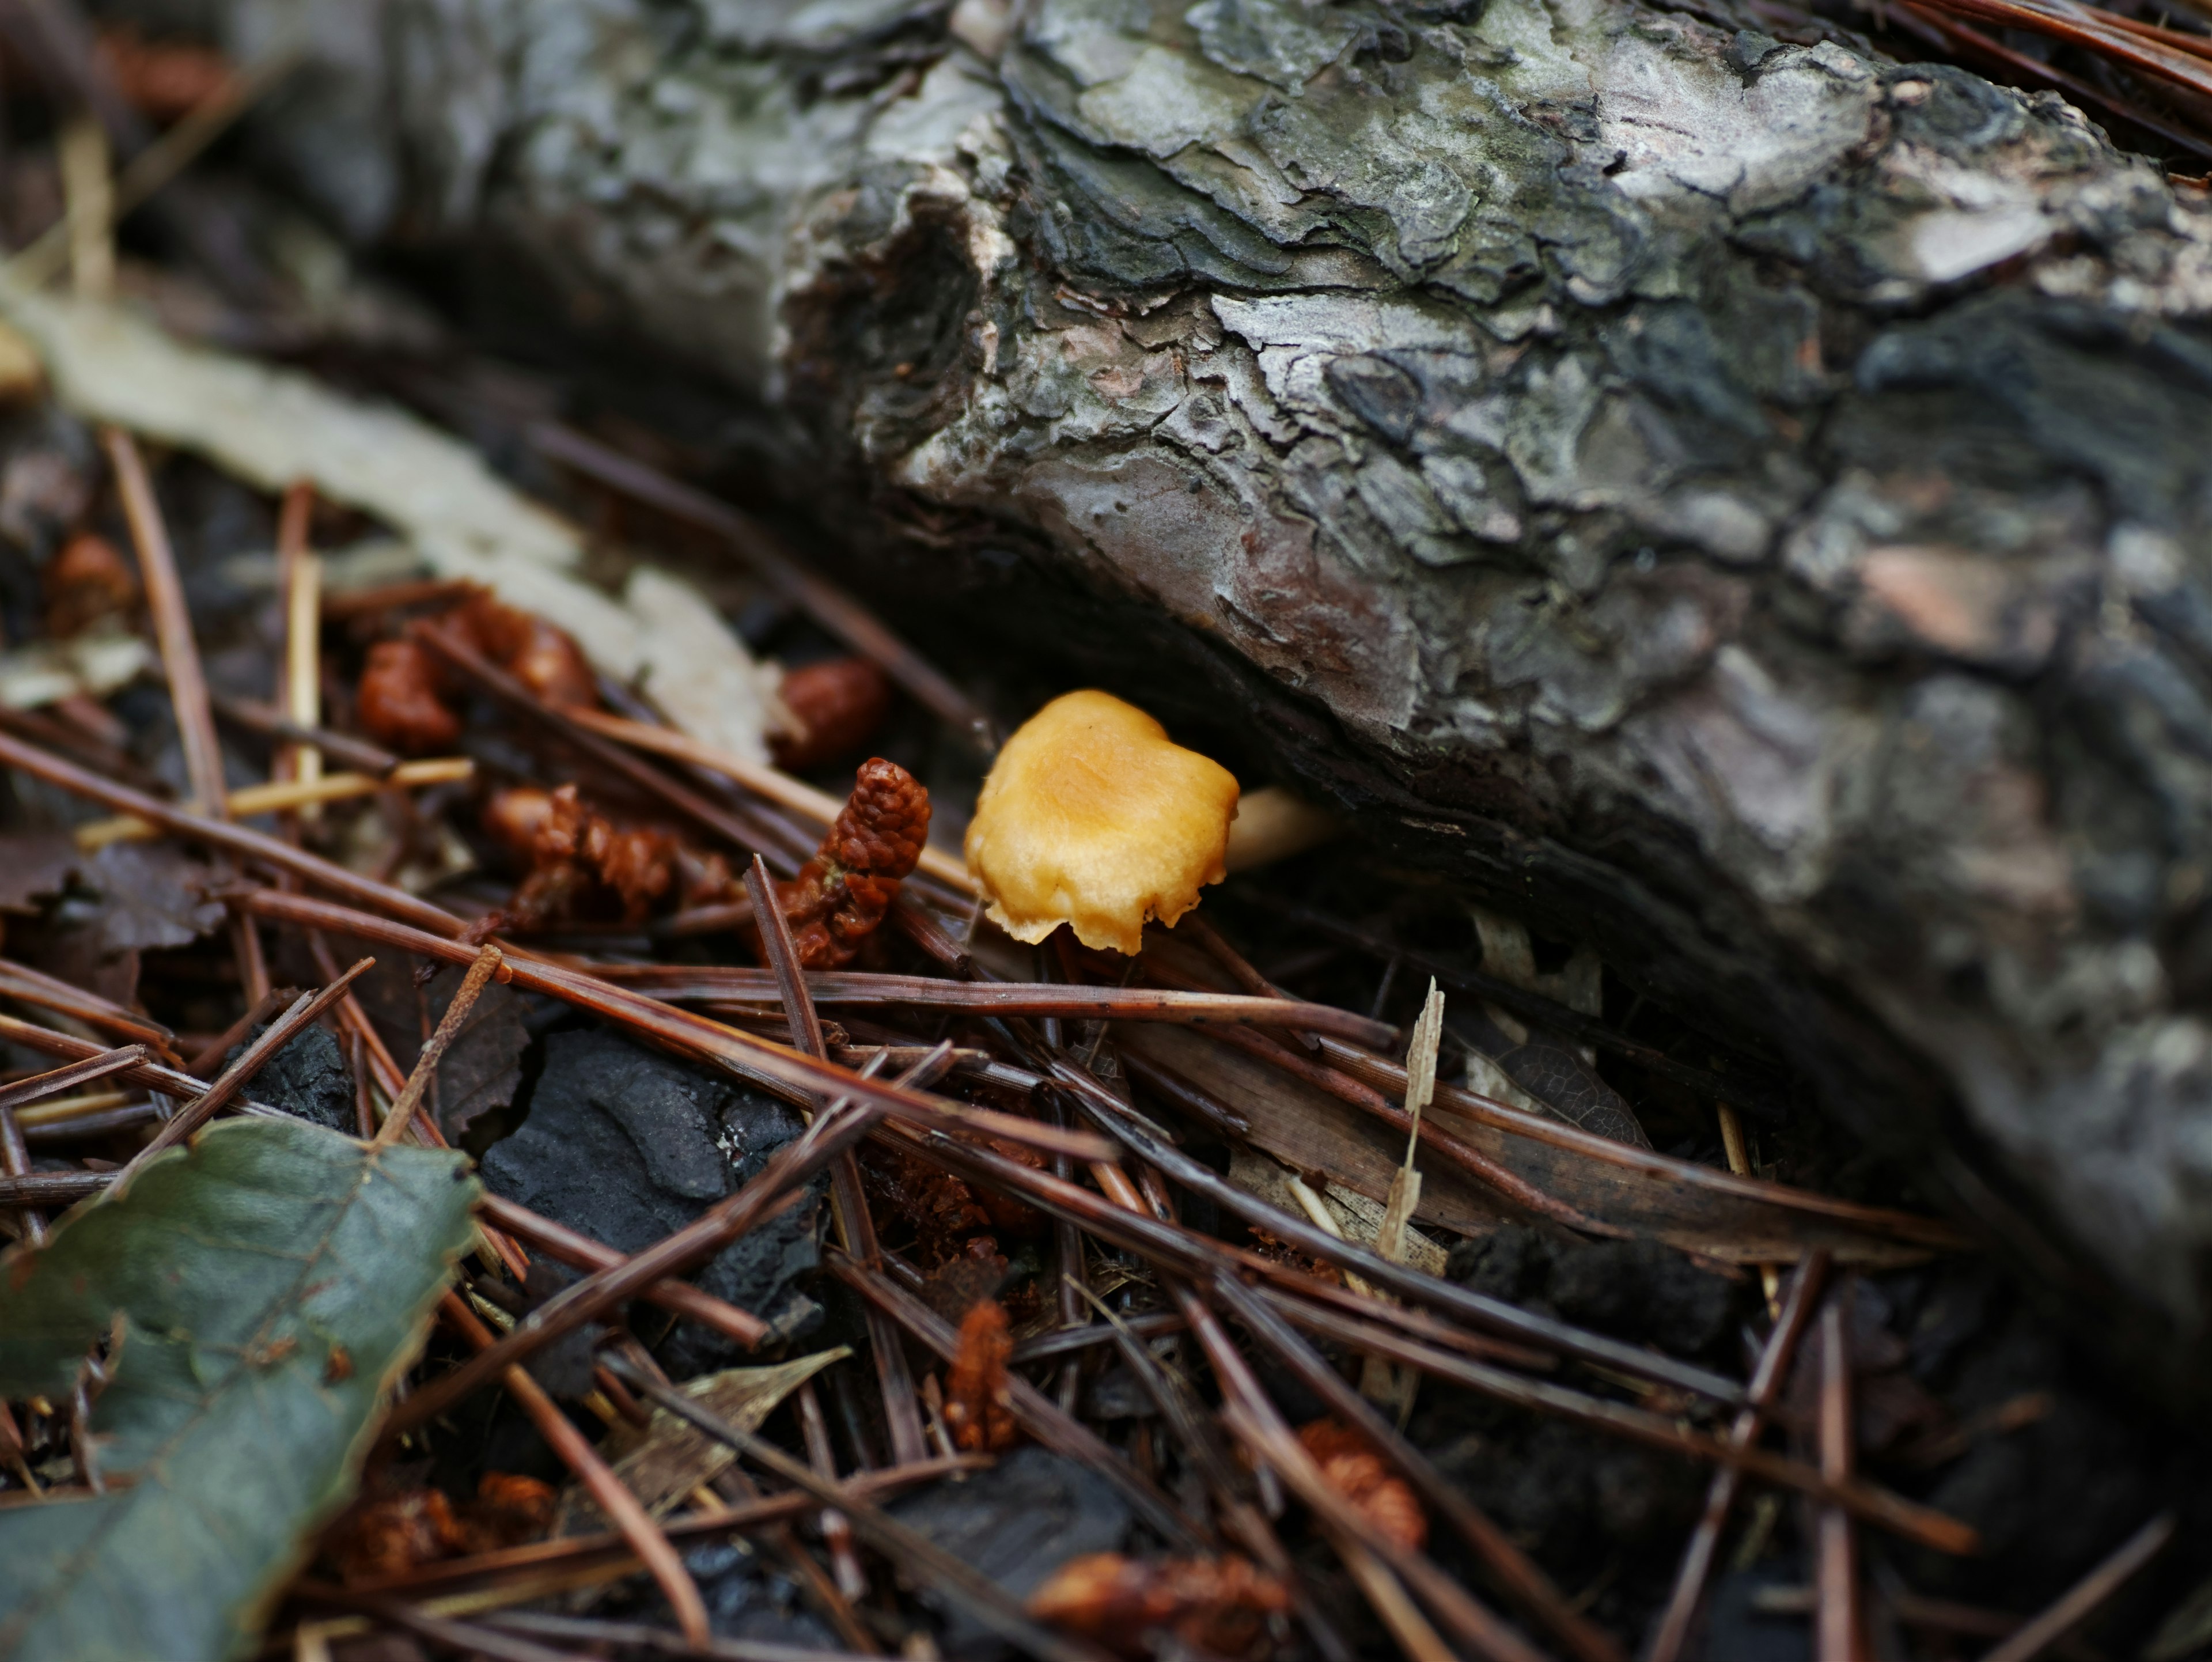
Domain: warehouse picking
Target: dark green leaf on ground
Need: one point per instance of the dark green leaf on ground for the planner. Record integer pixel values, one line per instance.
(271, 1280)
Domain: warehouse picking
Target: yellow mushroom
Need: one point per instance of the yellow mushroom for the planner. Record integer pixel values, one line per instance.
(1092, 816)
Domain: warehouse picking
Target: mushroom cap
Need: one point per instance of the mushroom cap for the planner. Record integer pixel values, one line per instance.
(1094, 817)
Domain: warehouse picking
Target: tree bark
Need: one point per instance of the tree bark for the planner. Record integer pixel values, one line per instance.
(1743, 502)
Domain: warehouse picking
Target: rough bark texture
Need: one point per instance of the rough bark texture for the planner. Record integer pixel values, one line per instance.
(1741, 501)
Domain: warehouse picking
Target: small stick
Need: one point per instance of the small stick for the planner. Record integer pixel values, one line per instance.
(774, 1067)
(1148, 1238)
(172, 623)
(563, 720)
(1531, 1587)
(253, 962)
(1034, 1411)
(778, 787)
(300, 580)
(620, 1634)
(2077, 1604)
(984, 1598)
(20, 980)
(259, 718)
(1375, 1562)
(828, 606)
(1738, 1152)
(463, 1638)
(52, 1083)
(1932, 1234)
(90, 206)
(772, 1190)
(1240, 967)
(856, 1229)
(283, 795)
(234, 1078)
(156, 1076)
(220, 834)
(1410, 1284)
(1838, 1633)
(364, 1100)
(580, 1252)
(262, 1009)
(46, 1189)
(836, 1533)
(402, 1112)
(734, 984)
(1455, 1150)
(622, 1509)
(160, 161)
(1766, 1382)
(574, 1552)
(16, 1163)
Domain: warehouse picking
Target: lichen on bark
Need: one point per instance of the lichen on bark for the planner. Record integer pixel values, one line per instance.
(1744, 500)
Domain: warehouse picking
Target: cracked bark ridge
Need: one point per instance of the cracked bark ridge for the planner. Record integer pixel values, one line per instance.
(1739, 500)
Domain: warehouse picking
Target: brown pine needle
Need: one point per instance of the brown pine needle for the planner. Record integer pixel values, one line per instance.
(402, 1112)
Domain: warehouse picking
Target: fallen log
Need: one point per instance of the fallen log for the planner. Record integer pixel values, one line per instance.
(1740, 503)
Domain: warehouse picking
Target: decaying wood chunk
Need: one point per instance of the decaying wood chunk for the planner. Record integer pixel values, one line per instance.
(1741, 502)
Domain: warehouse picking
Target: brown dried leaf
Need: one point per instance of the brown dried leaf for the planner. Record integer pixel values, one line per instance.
(151, 894)
(33, 864)
(671, 1457)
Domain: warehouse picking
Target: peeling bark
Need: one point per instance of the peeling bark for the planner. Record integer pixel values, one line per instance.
(1743, 502)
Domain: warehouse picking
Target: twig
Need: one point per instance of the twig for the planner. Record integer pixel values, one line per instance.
(1535, 1006)
(849, 1202)
(983, 1598)
(1253, 1419)
(234, 1078)
(829, 606)
(773, 1067)
(515, 695)
(52, 1188)
(300, 581)
(532, 1563)
(16, 1165)
(402, 1112)
(1495, 1314)
(232, 839)
(29, 986)
(580, 1252)
(264, 1008)
(836, 1533)
(257, 718)
(1838, 1634)
(52, 1083)
(282, 795)
(771, 783)
(1034, 1411)
(159, 162)
(636, 1634)
(172, 624)
(2078, 1602)
(1766, 1382)
(1932, 1234)
(1890, 1511)
(1455, 1151)
(775, 1187)
(1066, 1000)
(1521, 1575)
(613, 1496)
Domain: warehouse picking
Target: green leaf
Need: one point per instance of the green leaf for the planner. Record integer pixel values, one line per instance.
(269, 1282)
